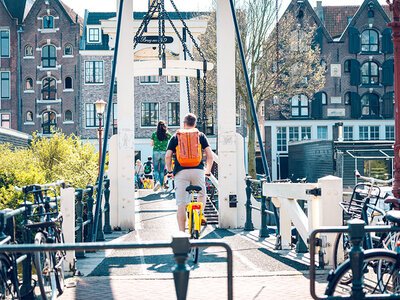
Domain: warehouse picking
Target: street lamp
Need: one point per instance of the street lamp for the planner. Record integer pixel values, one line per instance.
(394, 6)
(100, 106)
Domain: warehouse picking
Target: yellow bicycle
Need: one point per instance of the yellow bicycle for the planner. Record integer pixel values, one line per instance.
(194, 210)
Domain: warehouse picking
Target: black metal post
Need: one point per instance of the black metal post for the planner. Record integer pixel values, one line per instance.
(264, 228)
(181, 247)
(249, 223)
(26, 287)
(79, 221)
(2, 225)
(100, 234)
(107, 227)
(356, 254)
(89, 205)
(108, 122)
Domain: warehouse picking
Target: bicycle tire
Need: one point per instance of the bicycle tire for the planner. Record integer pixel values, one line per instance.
(5, 282)
(346, 246)
(194, 234)
(371, 259)
(59, 263)
(45, 260)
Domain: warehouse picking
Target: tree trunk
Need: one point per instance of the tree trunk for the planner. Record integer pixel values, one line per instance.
(252, 151)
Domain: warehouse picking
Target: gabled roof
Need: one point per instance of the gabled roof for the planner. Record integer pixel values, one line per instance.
(336, 18)
(73, 16)
(16, 8)
(360, 11)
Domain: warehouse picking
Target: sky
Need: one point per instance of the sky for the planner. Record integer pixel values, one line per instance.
(183, 5)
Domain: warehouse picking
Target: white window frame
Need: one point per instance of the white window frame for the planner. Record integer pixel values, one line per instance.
(158, 114)
(318, 132)
(149, 83)
(1, 119)
(98, 27)
(9, 42)
(84, 73)
(9, 85)
(391, 132)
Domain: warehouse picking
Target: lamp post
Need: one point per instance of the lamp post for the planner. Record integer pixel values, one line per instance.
(100, 106)
(395, 25)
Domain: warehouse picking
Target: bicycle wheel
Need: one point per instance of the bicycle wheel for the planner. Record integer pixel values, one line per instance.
(380, 272)
(342, 240)
(7, 291)
(44, 265)
(59, 262)
(194, 234)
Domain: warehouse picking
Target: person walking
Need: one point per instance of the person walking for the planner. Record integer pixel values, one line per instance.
(139, 173)
(188, 169)
(159, 142)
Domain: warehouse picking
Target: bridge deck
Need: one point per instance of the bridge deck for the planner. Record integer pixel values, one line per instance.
(146, 274)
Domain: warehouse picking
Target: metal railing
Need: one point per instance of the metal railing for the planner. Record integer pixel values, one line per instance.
(180, 245)
(356, 229)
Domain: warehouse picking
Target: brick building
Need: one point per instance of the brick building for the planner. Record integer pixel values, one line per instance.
(50, 68)
(356, 46)
(156, 97)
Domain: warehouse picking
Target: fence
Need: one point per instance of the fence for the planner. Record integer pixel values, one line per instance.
(180, 245)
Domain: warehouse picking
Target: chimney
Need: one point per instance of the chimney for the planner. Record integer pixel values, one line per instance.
(320, 11)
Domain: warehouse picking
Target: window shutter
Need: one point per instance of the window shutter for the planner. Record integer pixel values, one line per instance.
(387, 44)
(354, 40)
(316, 106)
(355, 105)
(318, 38)
(387, 72)
(388, 105)
(355, 75)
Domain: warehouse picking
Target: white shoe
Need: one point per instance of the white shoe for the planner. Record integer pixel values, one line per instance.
(157, 186)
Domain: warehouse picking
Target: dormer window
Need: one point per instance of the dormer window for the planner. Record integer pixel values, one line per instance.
(94, 35)
(48, 22)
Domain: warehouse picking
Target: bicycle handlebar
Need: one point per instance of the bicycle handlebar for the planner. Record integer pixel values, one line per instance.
(373, 180)
(58, 183)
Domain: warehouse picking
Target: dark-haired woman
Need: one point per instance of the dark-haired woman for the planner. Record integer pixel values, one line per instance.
(159, 142)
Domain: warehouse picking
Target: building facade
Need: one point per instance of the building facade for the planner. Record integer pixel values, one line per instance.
(50, 68)
(358, 97)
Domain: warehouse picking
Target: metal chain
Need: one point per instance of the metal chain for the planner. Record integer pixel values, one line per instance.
(199, 120)
(204, 100)
(140, 31)
(187, 87)
(159, 29)
(163, 32)
(187, 28)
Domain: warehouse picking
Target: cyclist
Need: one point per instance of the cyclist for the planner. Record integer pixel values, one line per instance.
(188, 169)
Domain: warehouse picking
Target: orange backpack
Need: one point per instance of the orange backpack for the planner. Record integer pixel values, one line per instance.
(188, 151)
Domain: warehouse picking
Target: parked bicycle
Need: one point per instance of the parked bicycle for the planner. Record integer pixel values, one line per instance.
(49, 265)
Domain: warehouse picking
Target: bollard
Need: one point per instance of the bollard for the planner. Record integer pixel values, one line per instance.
(181, 247)
(79, 221)
(248, 226)
(89, 202)
(107, 227)
(264, 228)
(356, 254)
(100, 234)
(301, 247)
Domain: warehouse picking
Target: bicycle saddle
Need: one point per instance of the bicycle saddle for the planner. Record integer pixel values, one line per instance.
(393, 216)
(194, 188)
(393, 201)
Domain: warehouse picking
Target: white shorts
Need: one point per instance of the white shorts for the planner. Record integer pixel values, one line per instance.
(187, 177)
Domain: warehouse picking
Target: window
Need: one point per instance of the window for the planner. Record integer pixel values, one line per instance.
(369, 41)
(322, 132)
(324, 98)
(68, 83)
(49, 56)
(148, 79)
(293, 134)
(374, 132)
(49, 123)
(68, 50)
(348, 133)
(29, 116)
(172, 79)
(5, 85)
(306, 133)
(299, 106)
(238, 118)
(363, 133)
(347, 98)
(94, 35)
(49, 89)
(29, 84)
(389, 132)
(149, 114)
(369, 73)
(347, 66)
(91, 117)
(370, 105)
(281, 139)
(94, 72)
(115, 117)
(68, 116)
(28, 51)
(4, 43)
(5, 121)
(48, 22)
(173, 114)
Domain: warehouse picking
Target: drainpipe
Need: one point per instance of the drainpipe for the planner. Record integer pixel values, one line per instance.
(20, 30)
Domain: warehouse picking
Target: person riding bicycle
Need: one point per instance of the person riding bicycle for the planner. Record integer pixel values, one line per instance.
(186, 145)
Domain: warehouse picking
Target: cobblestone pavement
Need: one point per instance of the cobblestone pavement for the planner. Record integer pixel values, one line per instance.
(260, 272)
